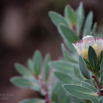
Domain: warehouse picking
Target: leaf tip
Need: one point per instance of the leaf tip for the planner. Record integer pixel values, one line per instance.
(50, 13)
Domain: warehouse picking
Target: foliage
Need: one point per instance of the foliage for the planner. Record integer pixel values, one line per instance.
(31, 77)
(80, 78)
(83, 85)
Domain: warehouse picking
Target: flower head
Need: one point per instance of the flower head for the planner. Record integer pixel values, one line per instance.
(83, 46)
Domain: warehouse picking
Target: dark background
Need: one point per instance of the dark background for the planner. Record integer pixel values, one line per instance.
(24, 27)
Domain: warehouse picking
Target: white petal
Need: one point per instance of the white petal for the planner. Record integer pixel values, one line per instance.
(87, 38)
(79, 45)
(91, 42)
(77, 49)
(85, 46)
(100, 43)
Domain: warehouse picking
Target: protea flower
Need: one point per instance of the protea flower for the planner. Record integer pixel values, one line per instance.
(83, 46)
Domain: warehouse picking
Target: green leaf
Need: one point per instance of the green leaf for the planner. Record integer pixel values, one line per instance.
(46, 66)
(95, 100)
(70, 15)
(69, 45)
(32, 101)
(89, 86)
(62, 66)
(25, 83)
(22, 70)
(87, 63)
(101, 56)
(37, 58)
(66, 99)
(101, 100)
(21, 82)
(57, 18)
(57, 90)
(78, 77)
(64, 78)
(90, 81)
(101, 70)
(31, 65)
(79, 91)
(79, 101)
(80, 18)
(83, 68)
(67, 34)
(67, 55)
(54, 98)
(101, 65)
(88, 24)
(94, 29)
(92, 57)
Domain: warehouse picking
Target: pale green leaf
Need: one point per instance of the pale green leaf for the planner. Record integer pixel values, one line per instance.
(67, 34)
(80, 92)
(92, 57)
(94, 29)
(62, 66)
(95, 100)
(70, 15)
(80, 18)
(88, 24)
(83, 68)
(101, 100)
(25, 83)
(31, 65)
(21, 82)
(68, 55)
(37, 59)
(89, 86)
(64, 78)
(69, 45)
(32, 101)
(22, 70)
(57, 18)
(46, 66)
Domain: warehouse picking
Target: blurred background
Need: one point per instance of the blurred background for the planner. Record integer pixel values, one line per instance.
(24, 27)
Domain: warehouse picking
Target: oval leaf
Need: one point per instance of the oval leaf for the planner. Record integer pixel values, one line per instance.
(46, 66)
(83, 68)
(31, 66)
(80, 18)
(21, 82)
(80, 92)
(37, 58)
(88, 24)
(94, 29)
(95, 100)
(69, 45)
(92, 57)
(70, 15)
(62, 66)
(25, 83)
(68, 34)
(89, 86)
(57, 18)
(67, 55)
(22, 70)
(64, 78)
(32, 101)
(101, 100)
